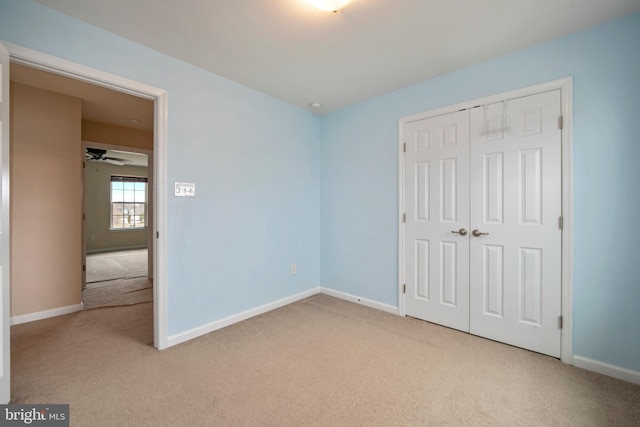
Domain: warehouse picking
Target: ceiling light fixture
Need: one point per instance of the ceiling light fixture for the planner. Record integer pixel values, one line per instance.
(329, 5)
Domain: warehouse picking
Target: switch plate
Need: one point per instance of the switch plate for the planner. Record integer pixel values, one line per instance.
(185, 189)
(294, 269)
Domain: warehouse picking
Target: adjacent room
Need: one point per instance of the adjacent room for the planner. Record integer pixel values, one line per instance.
(371, 213)
(92, 149)
(117, 236)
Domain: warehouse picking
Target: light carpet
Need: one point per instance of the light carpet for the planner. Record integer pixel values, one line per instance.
(117, 292)
(117, 265)
(317, 362)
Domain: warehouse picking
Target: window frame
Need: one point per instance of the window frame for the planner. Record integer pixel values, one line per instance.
(133, 179)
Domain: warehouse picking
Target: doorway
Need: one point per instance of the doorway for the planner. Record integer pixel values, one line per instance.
(117, 226)
(483, 238)
(57, 66)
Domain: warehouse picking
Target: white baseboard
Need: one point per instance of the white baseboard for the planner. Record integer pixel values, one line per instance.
(227, 321)
(358, 300)
(607, 369)
(32, 317)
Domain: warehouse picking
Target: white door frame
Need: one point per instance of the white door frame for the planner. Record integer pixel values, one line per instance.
(55, 65)
(5, 240)
(566, 89)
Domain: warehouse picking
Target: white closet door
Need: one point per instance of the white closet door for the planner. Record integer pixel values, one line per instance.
(515, 269)
(437, 202)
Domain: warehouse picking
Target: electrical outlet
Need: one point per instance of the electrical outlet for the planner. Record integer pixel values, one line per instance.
(92, 237)
(294, 269)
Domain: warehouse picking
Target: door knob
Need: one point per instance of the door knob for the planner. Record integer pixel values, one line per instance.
(478, 233)
(461, 232)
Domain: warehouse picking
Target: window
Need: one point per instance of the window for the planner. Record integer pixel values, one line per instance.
(128, 202)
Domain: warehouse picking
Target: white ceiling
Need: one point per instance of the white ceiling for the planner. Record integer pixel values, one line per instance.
(289, 50)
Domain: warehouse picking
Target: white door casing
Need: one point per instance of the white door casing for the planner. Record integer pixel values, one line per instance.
(437, 189)
(5, 284)
(515, 280)
(77, 71)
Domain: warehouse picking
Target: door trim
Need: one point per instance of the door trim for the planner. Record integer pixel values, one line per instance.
(565, 86)
(55, 65)
(5, 229)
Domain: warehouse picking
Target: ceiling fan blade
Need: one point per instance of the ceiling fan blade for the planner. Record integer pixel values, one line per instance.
(95, 152)
(113, 162)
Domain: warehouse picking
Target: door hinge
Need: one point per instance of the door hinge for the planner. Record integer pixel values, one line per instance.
(84, 267)
(84, 165)
(560, 122)
(560, 222)
(157, 234)
(560, 322)
(404, 217)
(404, 288)
(404, 147)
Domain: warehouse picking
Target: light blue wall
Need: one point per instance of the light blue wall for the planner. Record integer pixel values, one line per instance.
(254, 160)
(359, 179)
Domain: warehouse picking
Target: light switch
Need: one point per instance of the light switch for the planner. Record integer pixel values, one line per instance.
(185, 189)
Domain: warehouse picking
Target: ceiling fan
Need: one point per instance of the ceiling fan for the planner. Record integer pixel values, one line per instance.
(99, 155)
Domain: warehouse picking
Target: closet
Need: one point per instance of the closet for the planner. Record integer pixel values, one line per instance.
(483, 238)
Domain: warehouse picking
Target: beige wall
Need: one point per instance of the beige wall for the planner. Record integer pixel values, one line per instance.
(46, 179)
(97, 208)
(116, 135)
